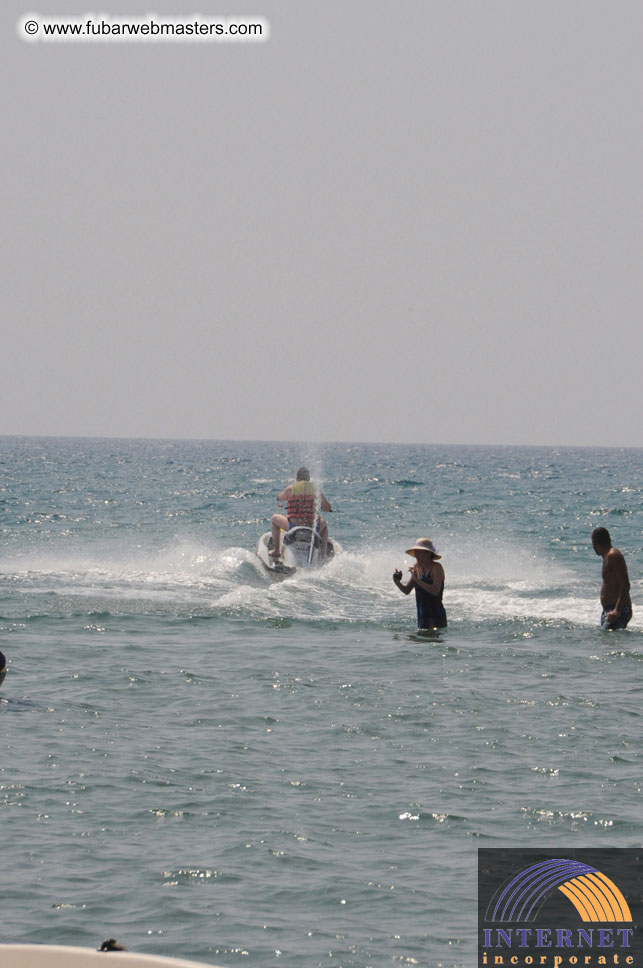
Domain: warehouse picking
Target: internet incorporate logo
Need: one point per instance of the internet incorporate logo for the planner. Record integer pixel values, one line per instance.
(558, 911)
(595, 896)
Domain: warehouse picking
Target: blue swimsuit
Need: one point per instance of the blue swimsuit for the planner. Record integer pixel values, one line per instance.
(431, 614)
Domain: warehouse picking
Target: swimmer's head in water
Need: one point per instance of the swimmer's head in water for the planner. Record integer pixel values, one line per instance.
(3, 668)
(111, 944)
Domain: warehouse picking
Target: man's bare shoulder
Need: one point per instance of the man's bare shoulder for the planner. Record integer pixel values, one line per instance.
(615, 553)
(615, 559)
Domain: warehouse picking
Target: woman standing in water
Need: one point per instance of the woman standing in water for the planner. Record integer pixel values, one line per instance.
(427, 578)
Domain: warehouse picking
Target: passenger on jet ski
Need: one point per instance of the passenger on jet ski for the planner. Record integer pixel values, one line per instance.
(301, 510)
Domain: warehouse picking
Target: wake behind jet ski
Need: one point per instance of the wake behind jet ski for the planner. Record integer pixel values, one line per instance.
(305, 542)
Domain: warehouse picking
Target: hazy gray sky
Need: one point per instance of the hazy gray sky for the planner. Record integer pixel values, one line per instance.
(413, 221)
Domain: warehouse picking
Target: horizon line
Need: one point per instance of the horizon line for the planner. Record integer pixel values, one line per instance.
(324, 443)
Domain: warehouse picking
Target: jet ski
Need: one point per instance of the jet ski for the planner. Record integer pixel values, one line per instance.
(300, 548)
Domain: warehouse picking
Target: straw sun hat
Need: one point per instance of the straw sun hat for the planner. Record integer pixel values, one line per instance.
(423, 544)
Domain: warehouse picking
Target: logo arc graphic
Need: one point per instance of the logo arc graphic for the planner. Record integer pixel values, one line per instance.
(594, 896)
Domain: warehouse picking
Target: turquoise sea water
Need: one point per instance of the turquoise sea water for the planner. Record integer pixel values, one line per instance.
(207, 764)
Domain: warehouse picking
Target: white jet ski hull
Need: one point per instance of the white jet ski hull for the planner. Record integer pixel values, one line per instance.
(300, 548)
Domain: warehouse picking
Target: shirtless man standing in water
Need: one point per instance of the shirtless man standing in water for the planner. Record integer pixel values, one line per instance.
(615, 590)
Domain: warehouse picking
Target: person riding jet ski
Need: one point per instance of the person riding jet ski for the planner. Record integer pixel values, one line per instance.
(301, 510)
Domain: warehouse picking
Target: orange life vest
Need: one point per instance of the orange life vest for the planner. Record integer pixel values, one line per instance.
(302, 504)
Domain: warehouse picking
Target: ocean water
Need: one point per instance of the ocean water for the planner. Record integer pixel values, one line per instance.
(205, 763)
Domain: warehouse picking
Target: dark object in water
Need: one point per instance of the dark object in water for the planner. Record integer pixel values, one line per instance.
(111, 944)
